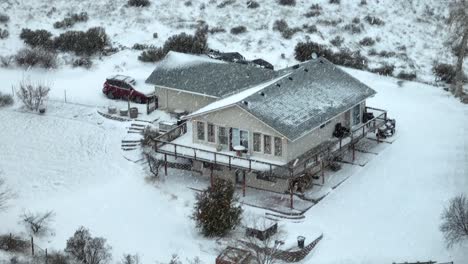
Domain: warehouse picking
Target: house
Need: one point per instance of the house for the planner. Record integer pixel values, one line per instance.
(190, 82)
(273, 133)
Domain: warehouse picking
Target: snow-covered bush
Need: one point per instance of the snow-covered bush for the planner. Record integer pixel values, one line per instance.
(130, 259)
(252, 4)
(444, 72)
(337, 41)
(4, 33)
(195, 44)
(336, 2)
(5, 61)
(14, 243)
(84, 62)
(367, 41)
(226, 3)
(216, 211)
(57, 257)
(407, 76)
(37, 223)
(71, 20)
(36, 57)
(386, 70)
(348, 58)
(282, 26)
(87, 249)
(455, 221)
(238, 30)
(287, 2)
(303, 50)
(5, 100)
(375, 21)
(152, 55)
(138, 3)
(4, 18)
(37, 38)
(33, 95)
(215, 30)
(92, 41)
(354, 28)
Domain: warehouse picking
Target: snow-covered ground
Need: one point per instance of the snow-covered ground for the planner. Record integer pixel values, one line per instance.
(70, 161)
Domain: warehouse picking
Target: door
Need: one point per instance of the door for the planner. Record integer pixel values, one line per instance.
(234, 137)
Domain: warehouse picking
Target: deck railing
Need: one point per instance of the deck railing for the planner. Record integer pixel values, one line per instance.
(164, 145)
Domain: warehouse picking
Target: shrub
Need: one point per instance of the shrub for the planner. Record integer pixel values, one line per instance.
(330, 22)
(238, 30)
(336, 2)
(315, 7)
(280, 25)
(226, 3)
(312, 13)
(387, 54)
(71, 19)
(215, 210)
(287, 2)
(92, 41)
(196, 44)
(138, 46)
(152, 55)
(348, 58)
(4, 18)
(353, 28)
(407, 76)
(155, 35)
(188, 3)
(84, 62)
(444, 72)
(58, 257)
(97, 251)
(303, 50)
(76, 243)
(36, 57)
(33, 96)
(5, 61)
(310, 29)
(375, 21)
(386, 70)
(455, 221)
(6, 100)
(367, 41)
(37, 38)
(4, 33)
(372, 52)
(14, 244)
(363, 2)
(130, 259)
(138, 3)
(337, 41)
(215, 30)
(356, 20)
(252, 4)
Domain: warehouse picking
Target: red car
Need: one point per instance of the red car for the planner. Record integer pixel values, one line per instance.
(121, 86)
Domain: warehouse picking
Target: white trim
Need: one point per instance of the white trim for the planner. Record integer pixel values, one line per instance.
(261, 142)
(205, 127)
(185, 91)
(271, 145)
(208, 134)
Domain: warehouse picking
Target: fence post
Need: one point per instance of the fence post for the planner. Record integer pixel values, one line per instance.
(165, 164)
(46, 256)
(65, 94)
(32, 245)
(292, 198)
(243, 185)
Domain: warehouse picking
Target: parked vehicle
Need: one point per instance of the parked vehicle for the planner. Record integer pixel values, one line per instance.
(123, 87)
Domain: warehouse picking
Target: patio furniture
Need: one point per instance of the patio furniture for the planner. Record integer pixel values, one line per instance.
(239, 149)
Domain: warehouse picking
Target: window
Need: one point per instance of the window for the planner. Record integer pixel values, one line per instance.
(357, 115)
(266, 144)
(244, 138)
(200, 130)
(278, 146)
(257, 138)
(211, 133)
(222, 136)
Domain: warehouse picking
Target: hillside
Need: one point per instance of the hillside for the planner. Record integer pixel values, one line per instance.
(408, 34)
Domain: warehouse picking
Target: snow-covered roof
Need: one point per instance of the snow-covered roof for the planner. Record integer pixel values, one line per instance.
(202, 75)
(301, 99)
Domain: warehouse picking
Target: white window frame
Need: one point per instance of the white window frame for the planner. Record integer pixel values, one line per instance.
(226, 134)
(353, 115)
(271, 144)
(274, 146)
(208, 133)
(248, 138)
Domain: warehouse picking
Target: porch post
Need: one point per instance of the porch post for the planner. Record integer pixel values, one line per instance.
(229, 162)
(165, 164)
(215, 158)
(354, 152)
(211, 175)
(292, 197)
(243, 184)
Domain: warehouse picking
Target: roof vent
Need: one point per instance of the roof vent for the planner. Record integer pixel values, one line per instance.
(306, 70)
(279, 85)
(290, 78)
(295, 66)
(262, 93)
(321, 61)
(245, 102)
(314, 56)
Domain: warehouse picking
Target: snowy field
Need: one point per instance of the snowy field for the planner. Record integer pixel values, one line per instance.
(70, 161)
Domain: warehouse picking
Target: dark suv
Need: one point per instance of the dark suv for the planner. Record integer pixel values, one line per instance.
(120, 86)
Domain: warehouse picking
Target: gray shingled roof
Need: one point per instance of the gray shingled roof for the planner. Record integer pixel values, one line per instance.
(207, 76)
(313, 93)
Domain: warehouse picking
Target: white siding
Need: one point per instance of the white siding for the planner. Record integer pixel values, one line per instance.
(170, 100)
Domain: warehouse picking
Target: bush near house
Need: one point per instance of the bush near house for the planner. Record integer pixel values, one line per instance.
(238, 30)
(138, 3)
(287, 2)
(36, 57)
(386, 70)
(444, 72)
(6, 100)
(216, 211)
(407, 76)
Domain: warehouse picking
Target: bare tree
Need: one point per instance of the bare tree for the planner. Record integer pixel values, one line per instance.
(153, 165)
(458, 21)
(97, 251)
(130, 259)
(455, 221)
(38, 223)
(5, 194)
(264, 251)
(33, 95)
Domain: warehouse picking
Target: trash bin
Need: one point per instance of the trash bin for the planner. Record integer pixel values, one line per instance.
(112, 110)
(300, 241)
(124, 112)
(133, 112)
